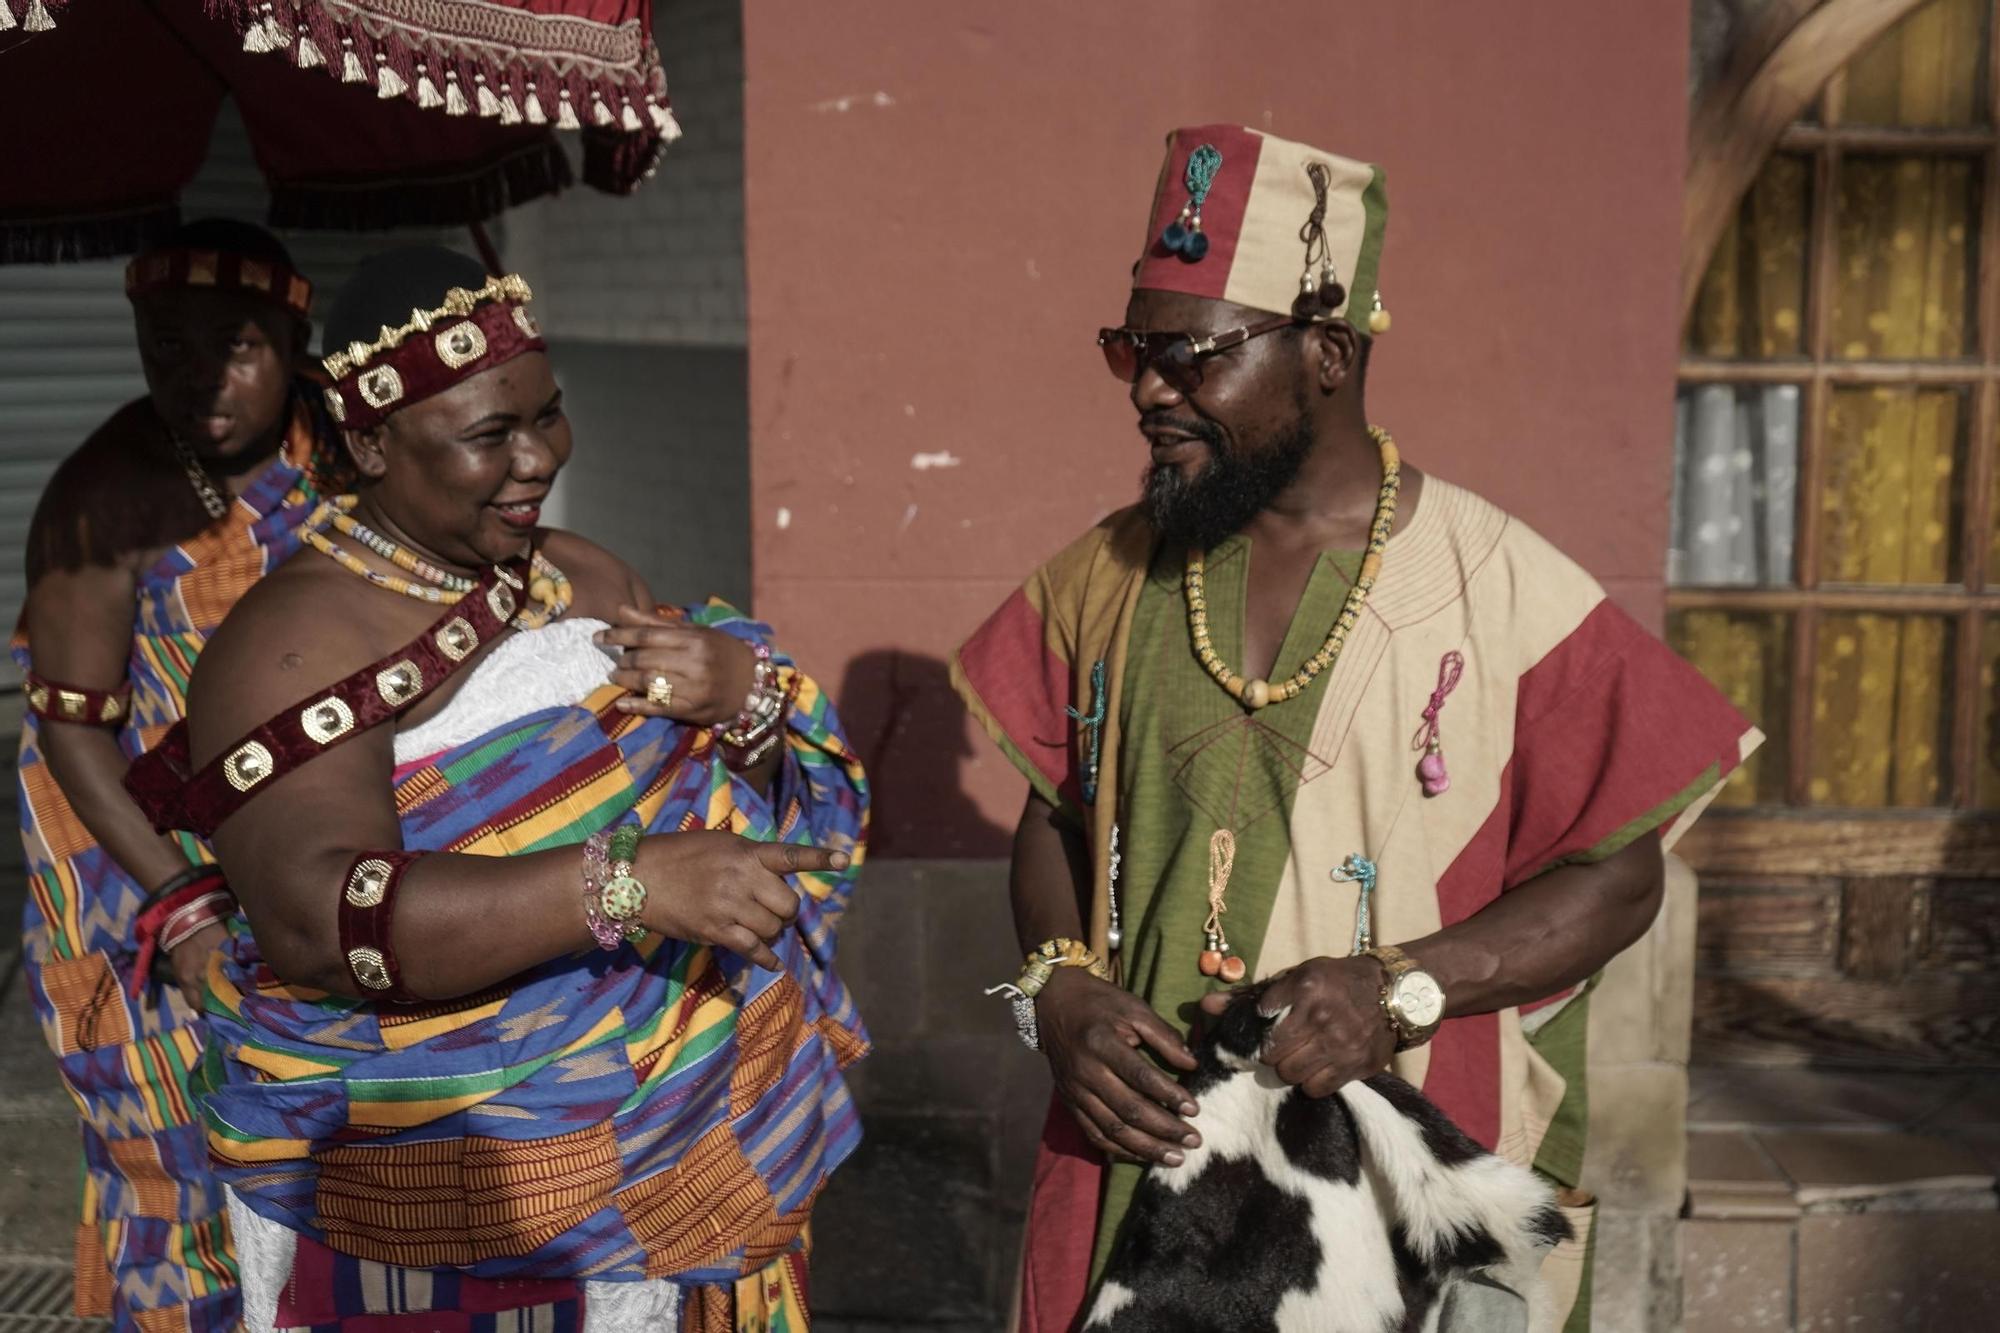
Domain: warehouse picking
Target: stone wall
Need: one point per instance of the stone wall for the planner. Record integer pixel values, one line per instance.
(921, 1227)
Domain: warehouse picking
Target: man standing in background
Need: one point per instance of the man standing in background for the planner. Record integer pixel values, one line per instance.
(143, 540)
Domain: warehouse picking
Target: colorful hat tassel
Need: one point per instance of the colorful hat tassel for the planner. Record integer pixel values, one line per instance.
(1184, 235)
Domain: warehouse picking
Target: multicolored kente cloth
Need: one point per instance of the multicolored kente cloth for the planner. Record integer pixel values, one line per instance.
(152, 1250)
(1571, 733)
(665, 1111)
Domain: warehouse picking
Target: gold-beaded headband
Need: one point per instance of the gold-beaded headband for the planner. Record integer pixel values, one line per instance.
(473, 331)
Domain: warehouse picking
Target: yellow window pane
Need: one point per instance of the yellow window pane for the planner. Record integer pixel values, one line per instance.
(1987, 738)
(1890, 511)
(1752, 300)
(1881, 712)
(1747, 657)
(1927, 70)
(1904, 252)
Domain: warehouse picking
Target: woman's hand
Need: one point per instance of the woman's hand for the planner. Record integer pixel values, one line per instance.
(707, 674)
(716, 888)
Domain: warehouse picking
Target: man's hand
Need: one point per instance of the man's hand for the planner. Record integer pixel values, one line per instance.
(1335, 1031)
(1092, 1032)
(189, 960)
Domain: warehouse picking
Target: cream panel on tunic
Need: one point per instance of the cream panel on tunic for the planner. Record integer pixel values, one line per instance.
(1460, 577)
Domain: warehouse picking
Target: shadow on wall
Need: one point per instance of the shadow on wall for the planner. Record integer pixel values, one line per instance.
(911, 733)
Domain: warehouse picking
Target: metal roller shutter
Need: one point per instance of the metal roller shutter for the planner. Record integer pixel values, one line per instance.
(66, 352)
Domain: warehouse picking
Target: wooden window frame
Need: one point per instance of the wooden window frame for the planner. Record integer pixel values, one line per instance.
(1967, 604)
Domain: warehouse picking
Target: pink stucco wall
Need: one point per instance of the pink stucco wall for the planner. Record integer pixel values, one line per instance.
(942, 205)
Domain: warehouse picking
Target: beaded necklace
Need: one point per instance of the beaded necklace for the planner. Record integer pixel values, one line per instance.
(1216, 958)
(548, 587)
(1256, 693)
(399, 556)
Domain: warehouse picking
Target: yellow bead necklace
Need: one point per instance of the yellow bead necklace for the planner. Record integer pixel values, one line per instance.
(548, 587)
(1256, 693)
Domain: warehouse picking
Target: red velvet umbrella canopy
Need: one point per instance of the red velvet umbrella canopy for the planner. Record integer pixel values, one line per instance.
(361, 113)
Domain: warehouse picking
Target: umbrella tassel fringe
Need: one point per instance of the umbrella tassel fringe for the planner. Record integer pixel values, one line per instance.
(540, 169)
(97, 238)
(388, 83)
(351, 68)
(454, 99)
(533, 106)
(489, 105)
(37, 19)
(308, 53)
(510, 112)
(257, 36)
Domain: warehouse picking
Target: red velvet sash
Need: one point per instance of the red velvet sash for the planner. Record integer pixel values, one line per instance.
(173, 797)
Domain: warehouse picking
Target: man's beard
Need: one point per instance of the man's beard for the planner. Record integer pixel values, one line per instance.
(1223, 497)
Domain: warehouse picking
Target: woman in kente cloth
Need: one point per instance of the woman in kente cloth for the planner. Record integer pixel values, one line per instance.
(534, 1024)
(144, 538)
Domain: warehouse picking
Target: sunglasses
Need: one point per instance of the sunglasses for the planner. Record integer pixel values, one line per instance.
(1176, 357)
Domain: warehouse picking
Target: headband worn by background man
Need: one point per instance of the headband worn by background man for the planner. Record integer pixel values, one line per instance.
(471, 332)
(219, 270)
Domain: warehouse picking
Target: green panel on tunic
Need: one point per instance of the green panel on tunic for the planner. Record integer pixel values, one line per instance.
(1563, 1042)
(1193, 760)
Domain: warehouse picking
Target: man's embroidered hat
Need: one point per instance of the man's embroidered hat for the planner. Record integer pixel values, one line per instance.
(1266, 223)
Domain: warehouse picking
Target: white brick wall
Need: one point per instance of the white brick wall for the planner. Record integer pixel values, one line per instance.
(665, 265)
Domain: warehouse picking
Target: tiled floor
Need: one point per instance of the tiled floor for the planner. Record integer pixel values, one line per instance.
(1823, 1200)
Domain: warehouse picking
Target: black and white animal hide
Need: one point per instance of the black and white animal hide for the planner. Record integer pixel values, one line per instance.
(1355, 1213)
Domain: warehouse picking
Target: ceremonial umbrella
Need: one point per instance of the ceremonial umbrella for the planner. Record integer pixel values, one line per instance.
(361, 113)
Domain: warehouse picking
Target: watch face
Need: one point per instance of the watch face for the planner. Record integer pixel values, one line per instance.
(1420, 999)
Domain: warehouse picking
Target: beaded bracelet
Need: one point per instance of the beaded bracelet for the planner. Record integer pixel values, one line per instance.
(596, 870)
(613, 896)
(761, 707)
(740, 755)
(367, 912)
(1040, 965)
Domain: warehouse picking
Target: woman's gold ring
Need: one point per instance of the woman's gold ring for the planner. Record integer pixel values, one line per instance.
(660, 691)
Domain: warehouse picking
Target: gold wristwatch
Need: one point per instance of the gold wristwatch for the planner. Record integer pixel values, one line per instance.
(1412, 1000)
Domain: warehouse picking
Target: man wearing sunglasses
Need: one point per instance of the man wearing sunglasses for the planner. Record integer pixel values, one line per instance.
(1305, 713)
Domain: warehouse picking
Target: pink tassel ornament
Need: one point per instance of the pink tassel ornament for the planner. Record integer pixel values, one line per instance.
(1431, 772)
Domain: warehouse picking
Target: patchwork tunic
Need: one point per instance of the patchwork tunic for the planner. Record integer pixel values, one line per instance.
(1570, 733)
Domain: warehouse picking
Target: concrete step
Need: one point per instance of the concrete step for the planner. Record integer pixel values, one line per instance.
(1836, 1200)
